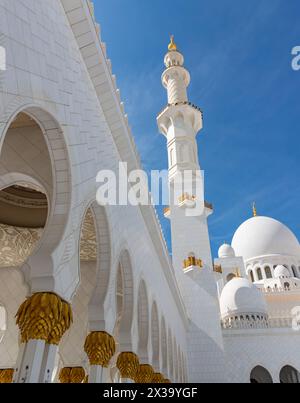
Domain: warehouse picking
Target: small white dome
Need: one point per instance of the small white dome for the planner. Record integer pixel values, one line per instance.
(226, 251)
(281, 272)
(239, 296)
(260, 236)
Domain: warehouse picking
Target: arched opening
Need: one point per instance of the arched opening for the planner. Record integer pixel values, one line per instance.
(143, 323)
(259, 274)
(289, 374)
(176, 364)
(119, 300)
(124, 303)
(155, 336)
(34, 207)
(97, 243)
(268, 272)
(34, 147)
(170, 356)
(25, 188)
(251, 276)
(179, 366)
(35, 184)
(88, 246)
(164, 347)
(260, 375)
(294, 270)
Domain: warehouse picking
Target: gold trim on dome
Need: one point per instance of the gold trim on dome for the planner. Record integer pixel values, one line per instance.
(100, 347)
(44, 316)
(254, 210)
(172, 45)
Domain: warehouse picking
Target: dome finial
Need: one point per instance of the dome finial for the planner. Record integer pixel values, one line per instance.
(172, 45)
(254, 209)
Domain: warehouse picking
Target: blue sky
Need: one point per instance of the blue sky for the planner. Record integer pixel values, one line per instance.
(239, 56)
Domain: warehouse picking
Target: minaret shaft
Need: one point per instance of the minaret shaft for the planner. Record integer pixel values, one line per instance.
(180, 122)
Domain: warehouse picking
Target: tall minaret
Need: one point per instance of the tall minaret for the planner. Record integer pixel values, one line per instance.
(179, 122)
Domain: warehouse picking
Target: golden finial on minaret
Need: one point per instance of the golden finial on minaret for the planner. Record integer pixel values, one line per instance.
(172, 45)
(254, 209)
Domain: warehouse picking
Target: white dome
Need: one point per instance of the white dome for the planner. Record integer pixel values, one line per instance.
(226, 251)
(281, 272)
(261, 236)
(239, 296)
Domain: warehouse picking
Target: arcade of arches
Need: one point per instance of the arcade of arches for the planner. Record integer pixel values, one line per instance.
(78, 344)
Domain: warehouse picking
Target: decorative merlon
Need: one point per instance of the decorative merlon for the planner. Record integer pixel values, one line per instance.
(191, 261)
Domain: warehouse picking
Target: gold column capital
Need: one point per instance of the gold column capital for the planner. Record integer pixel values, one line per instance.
(100, 347)
(144, 374)
(128, 365)
(77, 375)
(157, 378)
(72, 375)
(64, 375)
(6, 375)
(44, 316)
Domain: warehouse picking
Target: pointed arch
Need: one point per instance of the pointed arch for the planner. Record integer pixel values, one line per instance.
(143, 322)
(124, 302)
(59, 190)
(155, 336)
(170, 356)
(164, 347)
(45, 164)
(260, 374)
(289, 374)
(175, 362)
(103, 271)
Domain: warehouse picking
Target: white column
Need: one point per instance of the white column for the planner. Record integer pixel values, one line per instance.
(126, 380)
(98, 374)
(29, 362)
(48, 363)
(19, 363)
